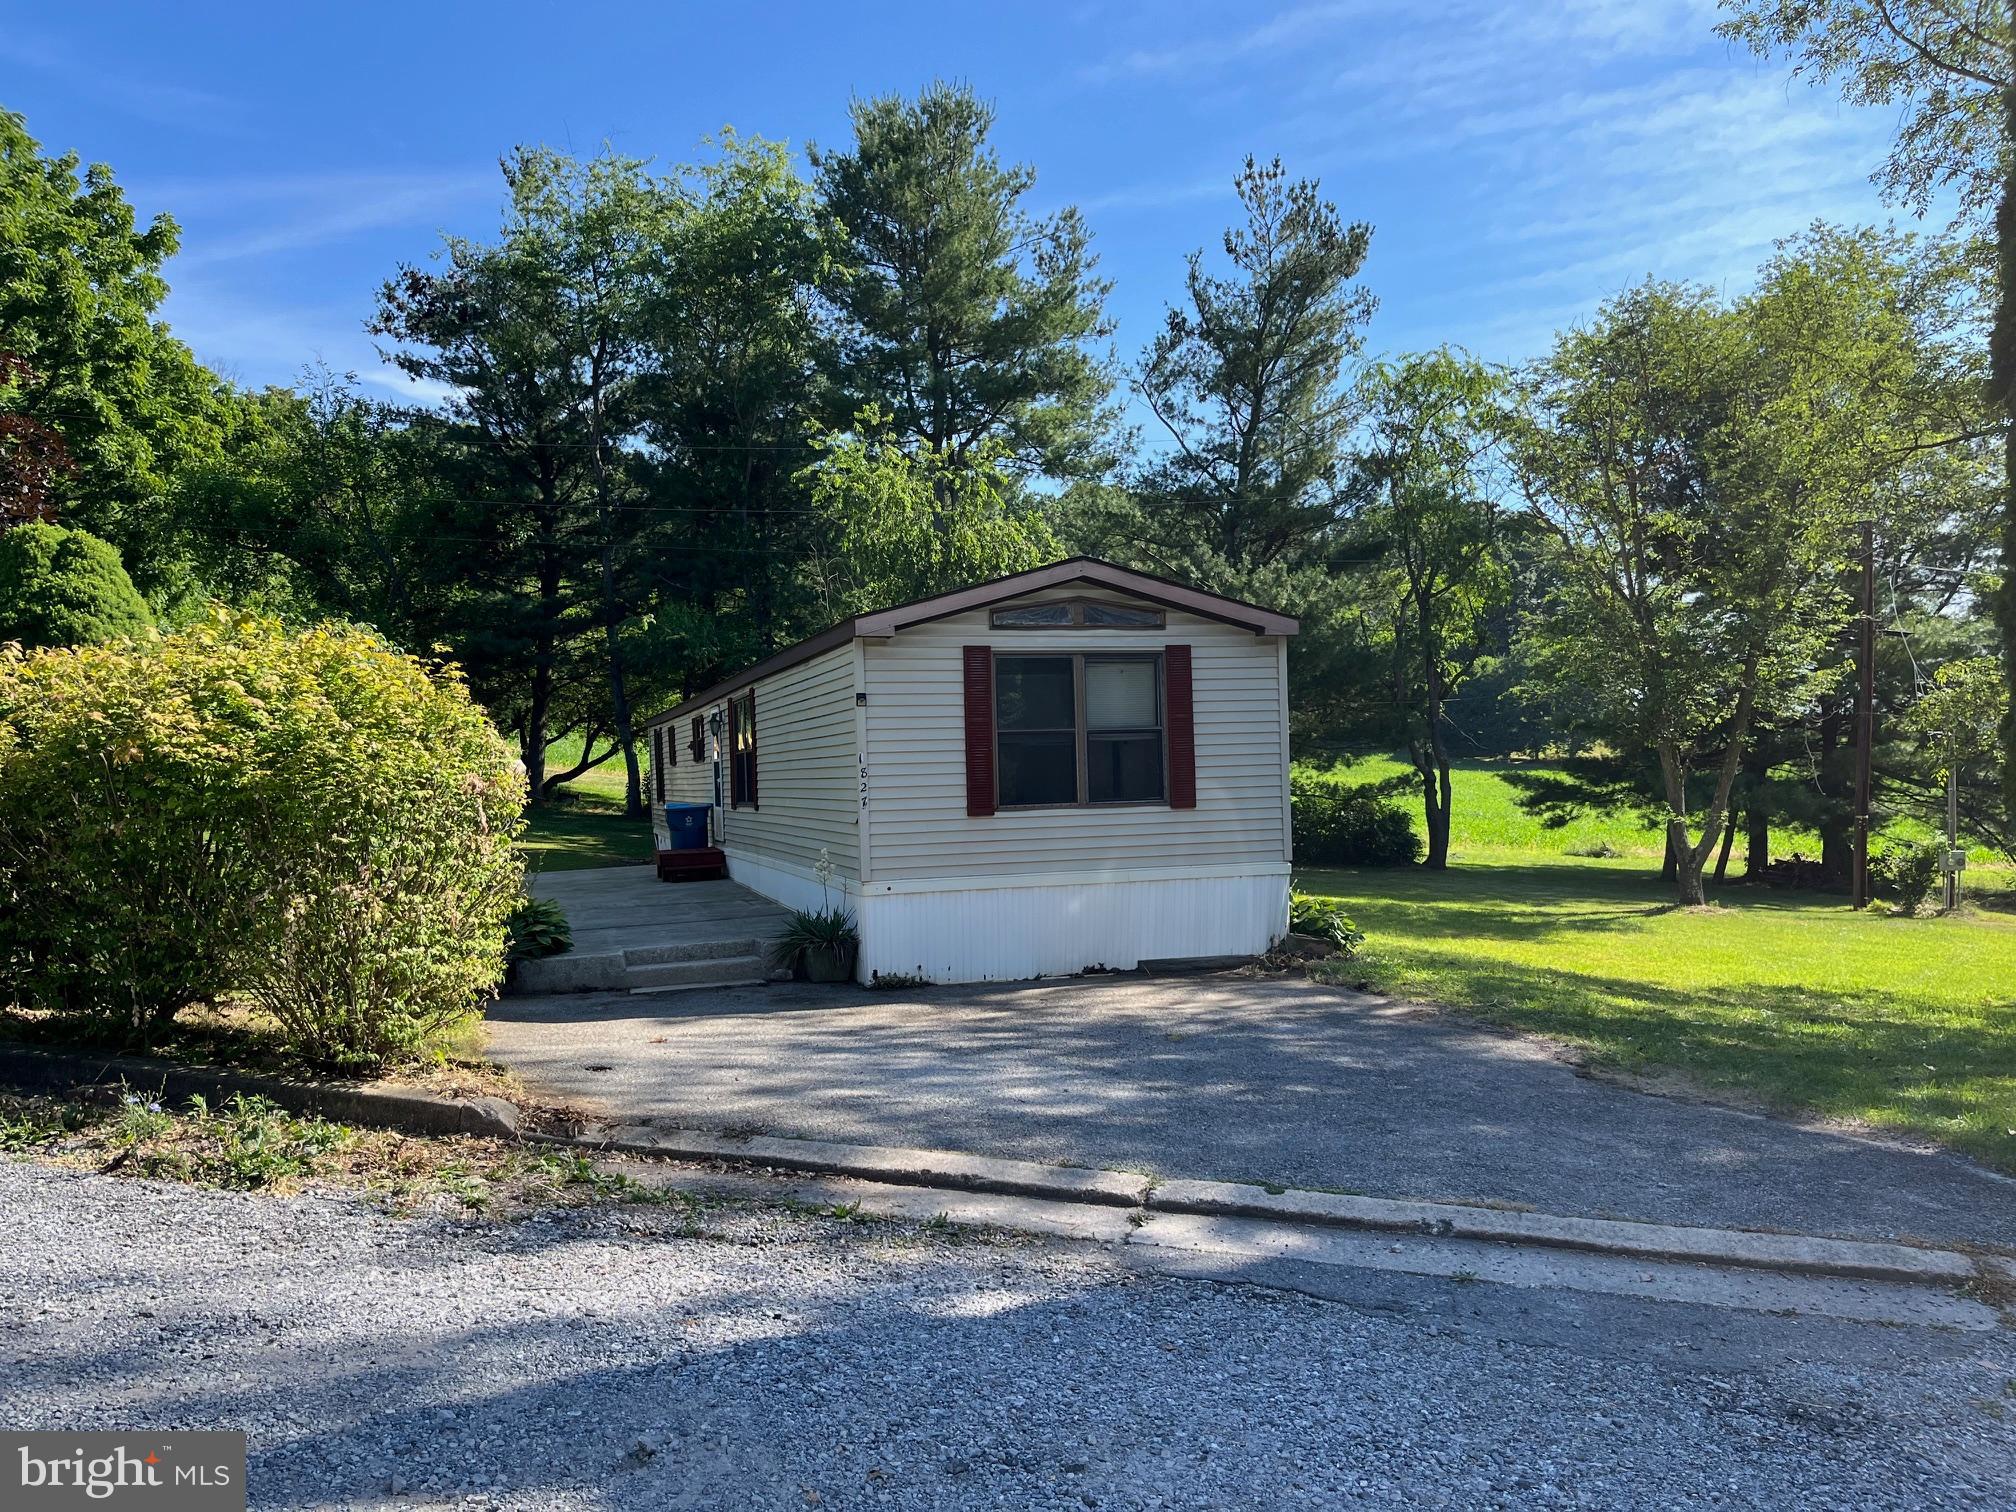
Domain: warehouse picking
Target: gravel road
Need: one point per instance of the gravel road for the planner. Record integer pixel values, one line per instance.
(608, 1357)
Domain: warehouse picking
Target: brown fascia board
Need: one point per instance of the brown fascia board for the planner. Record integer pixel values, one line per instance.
(1080, 570)
(777, 661)
(886, 622)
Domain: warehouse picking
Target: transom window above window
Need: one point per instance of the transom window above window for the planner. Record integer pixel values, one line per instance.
(1079, 729)
(1078, 614)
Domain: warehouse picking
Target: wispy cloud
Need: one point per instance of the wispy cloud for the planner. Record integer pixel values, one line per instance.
(1160, 196)
(423, 390)
(318, 210)
(1526, 161)
(1284, 29)
(149, 99)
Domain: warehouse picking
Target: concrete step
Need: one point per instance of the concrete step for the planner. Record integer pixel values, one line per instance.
(694, 950)
(728, 971)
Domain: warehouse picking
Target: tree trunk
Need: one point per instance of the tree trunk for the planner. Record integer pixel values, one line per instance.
(1728, 844)
(1435, 809)
(1669, 865)
(1431, 756)
(545, 653)
(1756, 842)
(1687, 884)
(619, 692)
(612, 609)
(1689, 860)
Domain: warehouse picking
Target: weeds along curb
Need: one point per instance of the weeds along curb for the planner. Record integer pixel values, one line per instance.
(35, 1070)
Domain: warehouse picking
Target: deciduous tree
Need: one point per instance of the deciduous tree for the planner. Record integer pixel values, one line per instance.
(1950, 66)
(88, 362)
(1434, 524)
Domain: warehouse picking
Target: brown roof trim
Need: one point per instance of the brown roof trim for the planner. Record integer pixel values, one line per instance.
(1156, 590)
(777, 661)
(1080, 569)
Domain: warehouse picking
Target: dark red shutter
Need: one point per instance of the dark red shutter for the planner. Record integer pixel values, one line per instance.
(658, 744)
(1180, 720)
(669, 738)
(699, 738)
(751, 711)
(979, 731)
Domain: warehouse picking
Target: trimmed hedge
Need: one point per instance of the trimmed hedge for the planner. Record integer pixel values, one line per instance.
(1340, 825)
(65, 588)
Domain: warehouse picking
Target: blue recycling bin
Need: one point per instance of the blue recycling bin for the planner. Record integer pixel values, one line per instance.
(688, 824)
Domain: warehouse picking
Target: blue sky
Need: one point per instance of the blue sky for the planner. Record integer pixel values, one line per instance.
(1518, 161)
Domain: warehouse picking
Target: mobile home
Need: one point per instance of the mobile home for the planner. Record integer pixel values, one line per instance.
(1076, 767)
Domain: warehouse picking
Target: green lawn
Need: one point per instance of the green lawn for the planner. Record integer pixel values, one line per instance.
(566, 838)
(1489, 825)
(586, 827)
(1792, 1000)
(604, 782)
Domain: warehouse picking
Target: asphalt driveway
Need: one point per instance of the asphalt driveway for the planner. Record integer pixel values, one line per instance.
(1236, 1079)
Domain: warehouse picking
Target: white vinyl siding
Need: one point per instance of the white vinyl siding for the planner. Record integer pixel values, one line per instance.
(687, 780)
(805, 769)
(917, 758)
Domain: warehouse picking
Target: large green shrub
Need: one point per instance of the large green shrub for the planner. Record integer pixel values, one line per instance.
(134, 838)
(1908, 874)
(65, 588)
(1340, 825)
(310, 819)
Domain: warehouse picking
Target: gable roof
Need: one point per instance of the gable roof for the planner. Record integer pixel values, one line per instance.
(1081, 569)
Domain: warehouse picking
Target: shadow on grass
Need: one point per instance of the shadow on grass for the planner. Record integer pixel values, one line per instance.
(1530, 902)
(1881, 1057)
(570, 836)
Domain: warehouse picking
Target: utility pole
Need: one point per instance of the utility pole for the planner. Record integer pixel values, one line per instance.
(1865, 713)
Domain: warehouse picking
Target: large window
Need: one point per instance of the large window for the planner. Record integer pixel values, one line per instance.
(1072, 729)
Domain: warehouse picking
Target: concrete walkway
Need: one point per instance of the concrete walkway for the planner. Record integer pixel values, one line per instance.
(633, 933)
(1233, 1079)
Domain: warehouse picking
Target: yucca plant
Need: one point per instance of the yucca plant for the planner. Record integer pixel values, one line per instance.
(824, 939)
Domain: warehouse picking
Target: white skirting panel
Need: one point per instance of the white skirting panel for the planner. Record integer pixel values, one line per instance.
(788, 884)
(1060, 927)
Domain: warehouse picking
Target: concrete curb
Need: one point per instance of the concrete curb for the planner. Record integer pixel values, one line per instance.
(375, 1104)
(927, 1168)
(1867, 1259)
(428, 1113)
(1802, 1254)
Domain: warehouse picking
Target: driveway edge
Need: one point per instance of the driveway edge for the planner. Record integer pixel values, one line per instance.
(1861, 1259)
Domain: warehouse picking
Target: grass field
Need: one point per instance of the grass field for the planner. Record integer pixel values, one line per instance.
(1490, 824)
(587, 827)
(1790, 1000)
